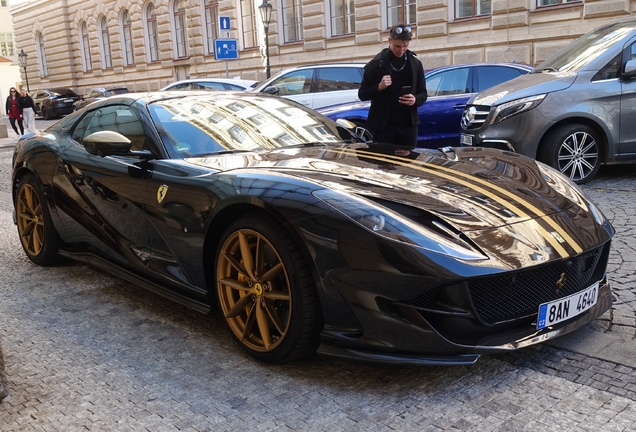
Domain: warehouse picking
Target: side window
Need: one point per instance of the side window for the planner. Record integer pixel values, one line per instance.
(297, 82)
(488, 76)
(233, 87)
(333, 79)
(116, 118)
(447, 83)
(208, 86)
(611, 70)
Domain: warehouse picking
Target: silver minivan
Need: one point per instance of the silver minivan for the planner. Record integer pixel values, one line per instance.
(574, 112)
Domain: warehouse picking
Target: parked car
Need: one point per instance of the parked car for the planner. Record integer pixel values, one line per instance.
(54, 102)
(574, 112)
(212, 84)
(308, 240)
(448, 88)
(98, 93)
(318, 85)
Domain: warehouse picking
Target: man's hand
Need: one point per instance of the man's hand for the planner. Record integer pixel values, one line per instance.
(385, 82)
(408, 99)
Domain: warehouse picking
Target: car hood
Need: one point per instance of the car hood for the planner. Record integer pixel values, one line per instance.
(527, 85)
(490, 196)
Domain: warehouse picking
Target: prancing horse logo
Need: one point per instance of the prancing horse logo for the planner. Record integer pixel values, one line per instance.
(560, 282)
(161, 193)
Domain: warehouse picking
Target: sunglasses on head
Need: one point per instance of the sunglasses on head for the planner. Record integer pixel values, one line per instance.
(399, 30)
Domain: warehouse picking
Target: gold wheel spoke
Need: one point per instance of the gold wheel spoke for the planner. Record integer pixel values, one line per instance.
(28, 197)
(273, 316)
(37, 240)
(249, 323)
(239, 306)
(277, 295)
(272, 273)
(259, 255)
(246, 254)
(263, 325)
(233, 283)
(237, 265)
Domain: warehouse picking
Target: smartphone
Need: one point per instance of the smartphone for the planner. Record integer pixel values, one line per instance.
(405, 90)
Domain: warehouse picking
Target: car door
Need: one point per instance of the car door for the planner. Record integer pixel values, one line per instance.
(295, 85)
(336, 85)
(101, 197)
(627, 146)
(448, 91)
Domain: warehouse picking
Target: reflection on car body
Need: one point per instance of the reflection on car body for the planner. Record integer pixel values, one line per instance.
(306, 240)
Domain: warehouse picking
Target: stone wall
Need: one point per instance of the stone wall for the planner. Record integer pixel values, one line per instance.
(514, 32)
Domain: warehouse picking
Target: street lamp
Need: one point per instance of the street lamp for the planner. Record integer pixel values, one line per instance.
(23, 62)
(266, 16)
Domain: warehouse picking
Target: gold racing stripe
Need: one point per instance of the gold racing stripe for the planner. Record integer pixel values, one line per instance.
(472, 185)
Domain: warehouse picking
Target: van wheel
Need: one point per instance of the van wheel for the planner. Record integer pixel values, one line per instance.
(574, 150)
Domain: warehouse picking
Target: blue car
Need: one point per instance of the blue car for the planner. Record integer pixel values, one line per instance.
(449, 88)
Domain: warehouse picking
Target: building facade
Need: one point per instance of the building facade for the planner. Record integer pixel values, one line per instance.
(146, 45)
(9, 66)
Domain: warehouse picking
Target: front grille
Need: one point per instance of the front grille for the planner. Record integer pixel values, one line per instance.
(474, 116)
(511, 296)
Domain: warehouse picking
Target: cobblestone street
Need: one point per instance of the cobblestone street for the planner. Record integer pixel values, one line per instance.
(86, 351)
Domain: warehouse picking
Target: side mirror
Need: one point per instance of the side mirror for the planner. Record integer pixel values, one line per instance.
(107, 143)
(630, 69)
(271, 90)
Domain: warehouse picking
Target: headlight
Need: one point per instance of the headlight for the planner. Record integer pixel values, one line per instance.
(567, 188)
(515, 107)
(393, 226)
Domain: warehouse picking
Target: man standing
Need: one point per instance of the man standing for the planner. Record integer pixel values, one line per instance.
(394, 83)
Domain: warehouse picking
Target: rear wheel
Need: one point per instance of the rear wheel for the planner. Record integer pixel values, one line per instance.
(38, 236)
(574, 150)
(45, 114)
(265, 290)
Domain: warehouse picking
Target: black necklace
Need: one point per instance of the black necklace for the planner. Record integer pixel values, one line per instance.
(396, 69)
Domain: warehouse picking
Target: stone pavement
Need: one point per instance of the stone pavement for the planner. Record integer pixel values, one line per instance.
(86, 351)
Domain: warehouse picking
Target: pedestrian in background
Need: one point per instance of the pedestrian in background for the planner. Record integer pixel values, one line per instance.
(14, 111)
(394, 83)
(28, 109)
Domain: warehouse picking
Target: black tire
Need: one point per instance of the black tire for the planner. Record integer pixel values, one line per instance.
(265, 290)
(45, 114)
(574, 149)
(38, 236)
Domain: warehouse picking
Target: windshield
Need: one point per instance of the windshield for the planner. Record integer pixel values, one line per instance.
(194, 126)
(587, 48)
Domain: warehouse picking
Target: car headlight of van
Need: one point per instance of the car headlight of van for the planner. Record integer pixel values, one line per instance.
(393, 226)
(515, 107)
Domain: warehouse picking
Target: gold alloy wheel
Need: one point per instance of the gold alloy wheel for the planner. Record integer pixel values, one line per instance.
(30, 220)
(254, 290)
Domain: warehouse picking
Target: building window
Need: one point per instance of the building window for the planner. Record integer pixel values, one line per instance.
(292, 20)
(3, 3)
(343, 17)
(85, 48)
(542, 3)
(6, 44)
(152, 41)
(472, 8)
(179, 22)
(39, 42)
(210, 8)
(248, 24)
(104, 42)
(401, 11)
(126, 40)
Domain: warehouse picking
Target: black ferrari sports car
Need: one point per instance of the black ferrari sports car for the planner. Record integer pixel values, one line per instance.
(308, 238)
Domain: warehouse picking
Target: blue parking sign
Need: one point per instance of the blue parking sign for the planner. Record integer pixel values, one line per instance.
(225, 49)
(224, 23)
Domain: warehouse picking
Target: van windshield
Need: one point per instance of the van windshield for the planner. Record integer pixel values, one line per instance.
(586, 49)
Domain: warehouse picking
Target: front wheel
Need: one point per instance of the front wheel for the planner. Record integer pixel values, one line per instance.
(265, 290)
(574, 150)
(38, 236)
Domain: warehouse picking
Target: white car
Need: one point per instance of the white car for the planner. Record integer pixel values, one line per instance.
(211, 84)
(317, 86)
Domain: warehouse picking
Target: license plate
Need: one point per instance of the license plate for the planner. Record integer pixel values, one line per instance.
(466, 139)
(68, 100)
(568, 307)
